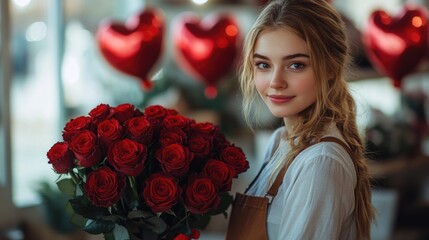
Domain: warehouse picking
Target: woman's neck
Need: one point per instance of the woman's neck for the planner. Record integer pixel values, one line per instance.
(289, 123)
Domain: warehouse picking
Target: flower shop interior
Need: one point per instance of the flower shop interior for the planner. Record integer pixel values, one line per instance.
(58, 61)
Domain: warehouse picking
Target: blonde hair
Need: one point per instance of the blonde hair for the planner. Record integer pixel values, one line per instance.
(322, 28)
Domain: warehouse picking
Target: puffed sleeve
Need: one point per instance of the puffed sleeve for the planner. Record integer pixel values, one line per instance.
(320, 201)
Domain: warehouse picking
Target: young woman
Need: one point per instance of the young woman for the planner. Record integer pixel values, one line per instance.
(314, 182)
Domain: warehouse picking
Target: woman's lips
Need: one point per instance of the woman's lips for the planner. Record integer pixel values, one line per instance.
(280, 98)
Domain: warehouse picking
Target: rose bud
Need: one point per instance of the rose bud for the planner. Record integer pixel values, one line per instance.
(182, 236)
(195, 233)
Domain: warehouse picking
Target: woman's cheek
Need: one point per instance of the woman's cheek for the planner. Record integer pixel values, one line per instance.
(261, 84)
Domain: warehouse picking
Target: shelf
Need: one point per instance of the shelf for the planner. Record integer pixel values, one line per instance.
(397, 166)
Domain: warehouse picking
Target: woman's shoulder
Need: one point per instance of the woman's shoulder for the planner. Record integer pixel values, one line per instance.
(327, 153)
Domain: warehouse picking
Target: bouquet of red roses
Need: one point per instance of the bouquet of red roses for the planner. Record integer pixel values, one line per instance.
(151, 174)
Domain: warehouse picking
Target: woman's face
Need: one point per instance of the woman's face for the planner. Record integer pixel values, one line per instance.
(284, 77)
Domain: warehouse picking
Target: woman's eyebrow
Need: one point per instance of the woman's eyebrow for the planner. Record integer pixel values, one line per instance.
(288, 57)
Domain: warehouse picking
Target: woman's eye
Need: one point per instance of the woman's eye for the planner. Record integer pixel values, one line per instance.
(262, 65)
(296, 66)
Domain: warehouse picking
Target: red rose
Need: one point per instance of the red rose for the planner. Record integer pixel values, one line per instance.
(175, 121)
(109, 131)
(206, 128)
(175, 159)
(104, 187)
(235, 157)
(61, 157)
(76, 125)
(220, 173)
(171, 112)
(200, 145)
(171, 136)
(139, 129)
(220, 142)
(128, 157)
(161, 192)
(182, 236)
(195, 233)
(123, 112)
(201, 195)
(155, 112)
(85, 147)
(99, 113)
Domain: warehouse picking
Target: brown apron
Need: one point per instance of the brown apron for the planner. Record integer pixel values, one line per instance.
(248, 219)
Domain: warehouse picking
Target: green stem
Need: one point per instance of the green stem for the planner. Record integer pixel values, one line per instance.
(132, 181)
(109, 236)
(175, 225)
(76, 180)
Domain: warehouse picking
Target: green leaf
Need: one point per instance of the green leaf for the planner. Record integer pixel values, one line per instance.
(225, 201)
(78, 220)
(109, 236)
(155, 224)
(67, 186)
(114, 218)
(199, 221)
(69, 209)
(183, 227)
(139, 214)
(99, 226)
(131, 199)
(84, 207)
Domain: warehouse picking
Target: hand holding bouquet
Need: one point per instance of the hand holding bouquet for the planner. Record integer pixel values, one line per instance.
(152, 173)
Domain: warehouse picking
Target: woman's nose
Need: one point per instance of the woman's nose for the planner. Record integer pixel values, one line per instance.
(278, 80)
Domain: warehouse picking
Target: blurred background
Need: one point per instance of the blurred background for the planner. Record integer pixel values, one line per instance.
(59, 59)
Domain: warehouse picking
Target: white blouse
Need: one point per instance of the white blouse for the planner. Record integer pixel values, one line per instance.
(316, 199)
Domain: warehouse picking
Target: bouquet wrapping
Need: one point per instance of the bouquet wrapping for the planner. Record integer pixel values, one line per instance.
(150, 174)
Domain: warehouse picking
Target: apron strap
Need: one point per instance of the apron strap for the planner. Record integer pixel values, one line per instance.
(257, 176)
(336, 140)
(272, 192)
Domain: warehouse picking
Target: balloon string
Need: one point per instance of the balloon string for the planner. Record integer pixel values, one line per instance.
(402, 106)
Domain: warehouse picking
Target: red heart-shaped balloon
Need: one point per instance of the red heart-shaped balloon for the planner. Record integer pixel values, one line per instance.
(134, 47)
(397, 45)
(206, 49)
